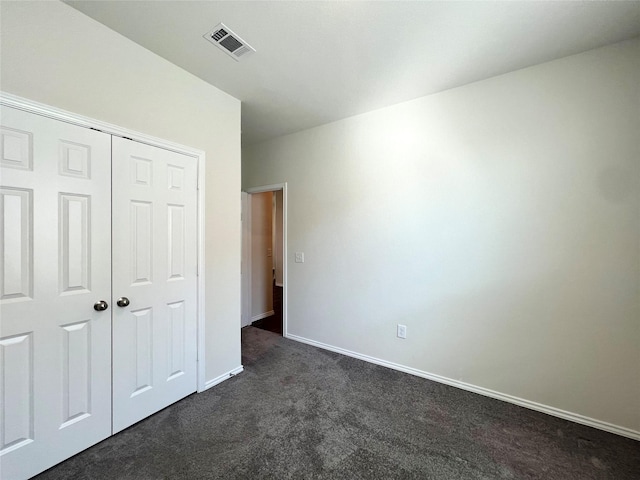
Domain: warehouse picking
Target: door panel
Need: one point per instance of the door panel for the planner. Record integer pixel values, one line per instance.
(17, 272)
(155, 267)
(55, 243)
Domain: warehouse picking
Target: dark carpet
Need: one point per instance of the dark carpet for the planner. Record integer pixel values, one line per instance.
(301, 412)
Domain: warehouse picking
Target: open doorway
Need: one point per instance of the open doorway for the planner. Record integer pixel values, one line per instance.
(264, 258)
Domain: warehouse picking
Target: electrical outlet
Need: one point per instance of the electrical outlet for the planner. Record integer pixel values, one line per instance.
(402, 331)
(299, 257)
(269, 252)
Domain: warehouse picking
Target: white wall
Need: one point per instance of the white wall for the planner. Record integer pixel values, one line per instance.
(54, 54)
(499, 221)
(261, 255)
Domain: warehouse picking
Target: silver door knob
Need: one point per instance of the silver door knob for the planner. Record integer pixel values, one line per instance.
(123, 302)
(100, 306)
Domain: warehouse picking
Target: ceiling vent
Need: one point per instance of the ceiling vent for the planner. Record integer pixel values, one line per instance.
(230, 43)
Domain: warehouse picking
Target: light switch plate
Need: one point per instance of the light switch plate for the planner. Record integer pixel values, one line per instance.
(299, 257)
(402, 331)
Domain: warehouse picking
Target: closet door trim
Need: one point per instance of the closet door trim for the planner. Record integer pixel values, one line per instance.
(55, 113)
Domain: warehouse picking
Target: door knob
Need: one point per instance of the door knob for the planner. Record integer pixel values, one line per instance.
(123, 302)
(100, 306)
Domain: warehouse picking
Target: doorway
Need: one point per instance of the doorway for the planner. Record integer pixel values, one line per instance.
(264, 259)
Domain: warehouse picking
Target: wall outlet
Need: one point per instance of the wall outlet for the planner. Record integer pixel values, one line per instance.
(299, 257)
(402, 331)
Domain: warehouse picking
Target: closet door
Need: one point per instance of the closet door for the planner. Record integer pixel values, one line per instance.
(154, 279)
(55, 252)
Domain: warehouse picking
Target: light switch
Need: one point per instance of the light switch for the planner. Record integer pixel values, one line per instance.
(269, 252)
(402, 331)
(299, 257)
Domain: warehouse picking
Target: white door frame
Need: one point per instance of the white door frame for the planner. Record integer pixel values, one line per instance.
(247, 259)
(27, 105)
(245, 263)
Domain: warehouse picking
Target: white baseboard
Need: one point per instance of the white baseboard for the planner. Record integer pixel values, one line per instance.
(260, 316)
(556, 412)
(279, 284)
(215, 381)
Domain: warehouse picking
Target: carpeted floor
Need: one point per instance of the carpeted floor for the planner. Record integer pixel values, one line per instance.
(300, 412)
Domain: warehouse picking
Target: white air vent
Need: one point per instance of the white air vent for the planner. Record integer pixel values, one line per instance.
(229, 42)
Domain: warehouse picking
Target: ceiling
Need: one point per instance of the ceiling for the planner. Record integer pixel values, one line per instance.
(318, 62)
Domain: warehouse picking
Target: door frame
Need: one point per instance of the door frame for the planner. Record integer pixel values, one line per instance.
(20, 103)
(246, 260)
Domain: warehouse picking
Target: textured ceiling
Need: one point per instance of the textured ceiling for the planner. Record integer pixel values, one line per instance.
(318, 62)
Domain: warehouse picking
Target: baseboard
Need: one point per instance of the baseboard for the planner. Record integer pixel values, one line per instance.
(556, 412)
(281, 285)
(260, 316)
(215, 381)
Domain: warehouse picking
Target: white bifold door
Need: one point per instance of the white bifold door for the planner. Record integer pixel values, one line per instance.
(97, 287)
(55, 348)
(154, 279)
